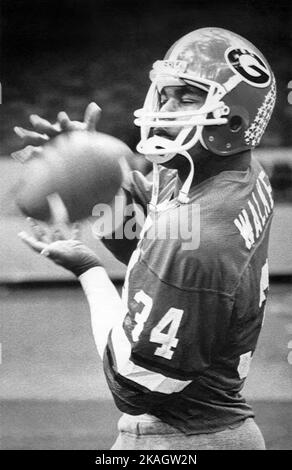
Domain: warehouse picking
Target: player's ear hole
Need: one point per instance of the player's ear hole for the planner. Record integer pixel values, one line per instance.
(235, 123)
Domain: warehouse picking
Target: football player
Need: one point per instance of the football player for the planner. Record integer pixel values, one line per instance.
(178, 346)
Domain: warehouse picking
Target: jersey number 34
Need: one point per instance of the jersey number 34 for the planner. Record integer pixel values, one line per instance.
(172, 319)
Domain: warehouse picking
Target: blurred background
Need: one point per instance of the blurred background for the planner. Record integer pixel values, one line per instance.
(60, 55)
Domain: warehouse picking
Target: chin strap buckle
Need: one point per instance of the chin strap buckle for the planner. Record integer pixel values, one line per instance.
(183, 197)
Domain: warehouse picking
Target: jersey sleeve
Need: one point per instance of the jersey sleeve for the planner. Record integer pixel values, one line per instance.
(137, 189)
(122, 246)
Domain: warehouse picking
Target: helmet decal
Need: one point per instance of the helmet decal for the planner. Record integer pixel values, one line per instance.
(170, 66)
(253, 134)
(249, 66)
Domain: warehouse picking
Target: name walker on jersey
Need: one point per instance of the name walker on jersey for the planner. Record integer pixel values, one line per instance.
(252, 220)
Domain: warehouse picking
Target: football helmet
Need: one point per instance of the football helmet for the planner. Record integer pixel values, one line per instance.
(241, 93)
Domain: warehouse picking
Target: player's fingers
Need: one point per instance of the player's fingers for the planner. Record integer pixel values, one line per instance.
(26, 153)
(58, 234)
(67, 125)
(64, 121)
(76, 231)
(30, 137)
(58, 251)
(92, 116)
(36, 245)
(44, 127)
(38, 231)
(59, 213)
(48, 253)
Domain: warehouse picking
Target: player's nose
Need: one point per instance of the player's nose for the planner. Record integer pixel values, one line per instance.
(169, 106)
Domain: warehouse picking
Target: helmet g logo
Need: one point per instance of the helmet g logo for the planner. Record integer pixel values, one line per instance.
(249, 66)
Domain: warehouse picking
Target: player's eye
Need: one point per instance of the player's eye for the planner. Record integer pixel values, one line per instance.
(163, 100)
(190, 100)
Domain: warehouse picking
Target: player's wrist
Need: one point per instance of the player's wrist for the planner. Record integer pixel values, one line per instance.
(84, 268)
(72, 255)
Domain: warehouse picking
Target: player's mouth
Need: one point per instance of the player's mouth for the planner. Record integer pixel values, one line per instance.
(162, 133)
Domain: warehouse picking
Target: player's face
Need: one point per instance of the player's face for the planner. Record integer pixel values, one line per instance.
(178, 99)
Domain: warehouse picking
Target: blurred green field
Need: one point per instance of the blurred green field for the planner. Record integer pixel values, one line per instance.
(53, 391)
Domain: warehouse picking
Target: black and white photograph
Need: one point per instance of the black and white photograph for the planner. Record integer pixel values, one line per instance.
(146, 227)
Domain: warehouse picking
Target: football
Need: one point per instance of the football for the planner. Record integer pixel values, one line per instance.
(75, 171)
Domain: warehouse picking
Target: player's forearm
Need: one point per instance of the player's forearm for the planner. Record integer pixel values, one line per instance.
(115, 229)
(104, 302)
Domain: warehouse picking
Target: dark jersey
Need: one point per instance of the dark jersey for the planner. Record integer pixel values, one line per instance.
(194, 293)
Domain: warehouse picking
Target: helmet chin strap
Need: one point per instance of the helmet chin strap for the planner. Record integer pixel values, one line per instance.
(155, 188)
(166, 147)
(183, 197)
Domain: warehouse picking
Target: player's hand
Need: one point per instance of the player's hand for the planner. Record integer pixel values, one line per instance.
(69, 253)
(33, 140)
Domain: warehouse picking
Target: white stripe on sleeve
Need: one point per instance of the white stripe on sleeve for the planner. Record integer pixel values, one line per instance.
(105, 304)
(108, 313)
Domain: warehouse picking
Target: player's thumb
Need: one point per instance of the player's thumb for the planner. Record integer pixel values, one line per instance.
(54, 252)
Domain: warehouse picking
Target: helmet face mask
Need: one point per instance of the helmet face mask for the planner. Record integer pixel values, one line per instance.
(240, 98)
(212, 112)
